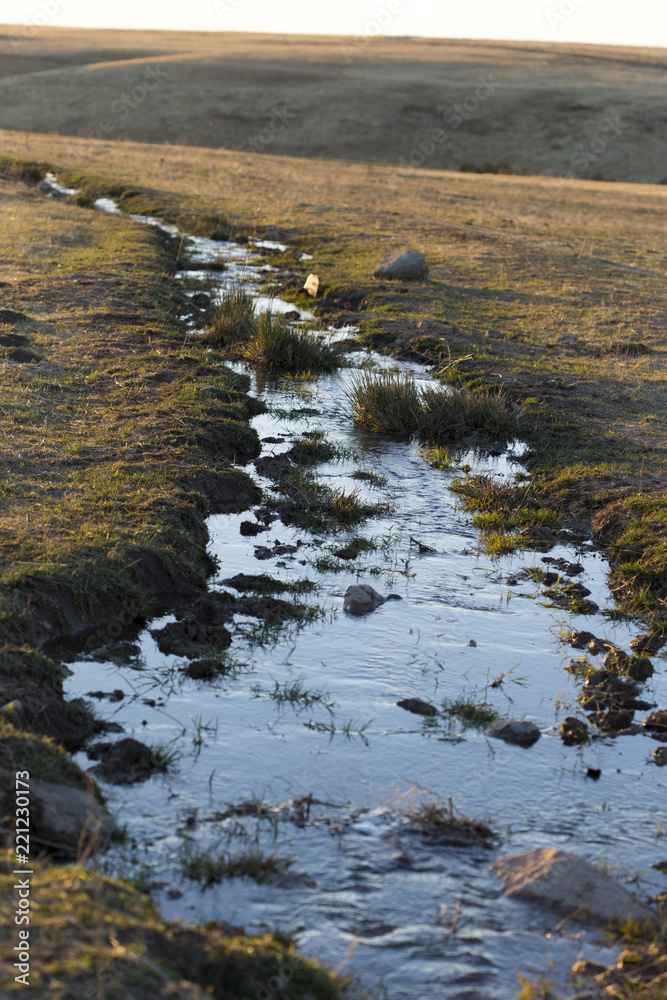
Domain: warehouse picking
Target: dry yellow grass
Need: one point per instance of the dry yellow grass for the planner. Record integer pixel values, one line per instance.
(549, 108)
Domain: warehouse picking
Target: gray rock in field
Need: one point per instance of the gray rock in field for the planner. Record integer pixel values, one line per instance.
(312, 284)
(361, 599)
(521, 733)
(404, 265)
(64, 818)
(570, 884)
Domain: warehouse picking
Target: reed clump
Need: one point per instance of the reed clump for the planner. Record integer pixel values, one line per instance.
(277, 344)
(234, 320)
(392, 402)
(267, 340)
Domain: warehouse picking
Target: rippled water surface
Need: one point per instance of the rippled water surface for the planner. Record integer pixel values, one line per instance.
(413, 916)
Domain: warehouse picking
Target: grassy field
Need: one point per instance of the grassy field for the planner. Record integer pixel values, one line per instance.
(112, 448)
(549, 290)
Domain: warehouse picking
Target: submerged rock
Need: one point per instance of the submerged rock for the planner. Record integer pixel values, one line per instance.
(570, 884)
(346, 553)
(361, 599)
(417, 706)
(62, 818)
(205, 669)
(250, 528)
(404, 265)
(124, 762)
(519, 732)
(660, 756)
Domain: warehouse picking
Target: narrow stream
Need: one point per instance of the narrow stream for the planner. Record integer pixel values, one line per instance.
(411, 915)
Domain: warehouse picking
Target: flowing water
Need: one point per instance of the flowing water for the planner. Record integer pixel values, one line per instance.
(327, 780)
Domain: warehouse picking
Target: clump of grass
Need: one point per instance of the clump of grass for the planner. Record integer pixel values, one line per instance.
(279, 622)
(275, 344)
(296, 693)
(640, 973)
(209, 868)
(348, 730)
(312, 447)
(392, 402)
(165, 756)
(449, 414)
(508, 514)
(329, 564)
(87, 913)
(438, 819)
(388, 403)
(29, 171)
(317, 507)
(436, 456)
(375, 480)
(234, 319)
(471, 712)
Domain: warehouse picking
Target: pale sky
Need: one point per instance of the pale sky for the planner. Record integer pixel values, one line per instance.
(611, 22)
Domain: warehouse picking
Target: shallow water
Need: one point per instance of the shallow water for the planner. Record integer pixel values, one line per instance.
(407, 913)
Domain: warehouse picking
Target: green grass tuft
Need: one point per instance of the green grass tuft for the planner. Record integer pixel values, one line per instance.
(209, 868)
(392, 402)
(277, 345)
(234, 319)
(471, 712)
(437, 819)
(388, 403)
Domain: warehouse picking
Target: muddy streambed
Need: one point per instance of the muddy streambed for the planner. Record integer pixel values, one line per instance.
(325, 779)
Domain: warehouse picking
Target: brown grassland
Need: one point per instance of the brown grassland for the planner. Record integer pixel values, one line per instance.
(118, 436)
(369, 100)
